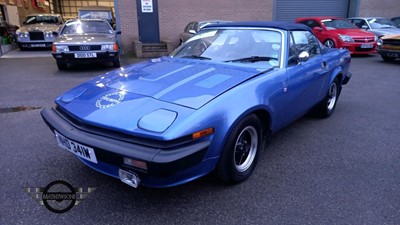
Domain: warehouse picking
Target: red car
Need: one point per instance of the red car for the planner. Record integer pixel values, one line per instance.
(340, 33)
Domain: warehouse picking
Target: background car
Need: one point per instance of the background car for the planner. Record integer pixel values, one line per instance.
(389, 47)
(212, 105)
(39, 30)
(86, 41)
(396, 20)
(378, 25)
(340, 33)
(193, 27)
(97, 12)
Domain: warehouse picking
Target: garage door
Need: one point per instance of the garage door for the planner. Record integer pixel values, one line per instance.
(289, 10)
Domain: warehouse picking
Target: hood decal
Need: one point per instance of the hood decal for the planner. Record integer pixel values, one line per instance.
(110, 100)
(182, 82)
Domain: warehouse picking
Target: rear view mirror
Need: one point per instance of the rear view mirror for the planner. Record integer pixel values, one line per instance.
(319, 29)
(365, 27)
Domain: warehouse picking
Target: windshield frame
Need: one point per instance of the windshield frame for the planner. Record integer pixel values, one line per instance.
(178, 53)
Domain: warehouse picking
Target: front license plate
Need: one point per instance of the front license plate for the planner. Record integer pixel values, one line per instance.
(86, 55)
(392, 54)
(367, 46)
(80, 150)
(38, 45)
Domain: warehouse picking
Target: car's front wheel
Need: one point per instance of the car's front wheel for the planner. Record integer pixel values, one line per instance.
(329, 43)
(326, 107)
(240, 153)
(62, 66)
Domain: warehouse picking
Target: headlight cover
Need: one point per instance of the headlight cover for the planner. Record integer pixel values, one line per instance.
(345, 38)
(61, 48)
(107, 47)
(379, 42)
(22, 34)
(48, 34)
(158, 120)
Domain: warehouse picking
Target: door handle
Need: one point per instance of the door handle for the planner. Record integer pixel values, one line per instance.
(323, 65)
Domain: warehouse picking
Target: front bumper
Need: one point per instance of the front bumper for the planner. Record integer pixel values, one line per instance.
(165, 167)
(69, 57)
(35, 44)
(389, 53)
(356, 49)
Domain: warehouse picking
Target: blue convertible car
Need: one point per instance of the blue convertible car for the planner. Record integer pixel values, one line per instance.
(210, 106)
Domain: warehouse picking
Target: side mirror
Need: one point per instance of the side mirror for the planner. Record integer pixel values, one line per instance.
(118, 32)
(365, 27)
(318, 29)
(192, 32)
(303, 56)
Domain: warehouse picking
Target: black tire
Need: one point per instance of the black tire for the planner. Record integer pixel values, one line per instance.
(326, 107)
(330, 43)
(116, 62)
(62, 66)
(244, 140)
(388, 59)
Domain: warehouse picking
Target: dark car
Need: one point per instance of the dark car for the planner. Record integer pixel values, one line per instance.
(211, 105)
(193, 27)
(86, 41)
(39, 30)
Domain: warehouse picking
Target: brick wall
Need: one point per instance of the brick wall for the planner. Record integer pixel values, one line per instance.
(175, 14)
(128, 23)
(385, 8)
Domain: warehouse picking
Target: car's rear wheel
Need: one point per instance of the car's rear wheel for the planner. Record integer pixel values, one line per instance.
(329, 43)
(240, 153)
(116, 62)
(62, 66)
(327, 106)
(388, 59)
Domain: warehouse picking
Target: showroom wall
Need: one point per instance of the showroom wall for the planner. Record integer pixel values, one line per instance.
(385, 8)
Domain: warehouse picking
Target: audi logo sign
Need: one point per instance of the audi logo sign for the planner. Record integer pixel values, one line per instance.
(84, 48)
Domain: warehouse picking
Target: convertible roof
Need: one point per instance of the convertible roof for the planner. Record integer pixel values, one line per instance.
(263, 24)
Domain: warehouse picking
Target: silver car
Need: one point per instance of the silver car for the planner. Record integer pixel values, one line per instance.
(39, 30)
(380, 26)
(86, 41)
(193, 27)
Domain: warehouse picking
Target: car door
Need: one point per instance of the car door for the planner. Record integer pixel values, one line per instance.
(304, 79)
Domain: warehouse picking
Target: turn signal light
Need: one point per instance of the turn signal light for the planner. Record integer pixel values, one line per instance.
(116, 47)
(202, 133)
(135, 163)
(53, 48)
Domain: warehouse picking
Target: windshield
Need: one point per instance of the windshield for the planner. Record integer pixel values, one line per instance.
(381, 23)
(41, 19)
(234, 46)
(338, 24)
(105, 15)
(87, 27)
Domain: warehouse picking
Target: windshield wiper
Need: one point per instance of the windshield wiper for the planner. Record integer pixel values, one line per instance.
(196, 57)
(252, 59)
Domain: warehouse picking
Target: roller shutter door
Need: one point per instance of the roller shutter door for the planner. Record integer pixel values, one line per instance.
(289, 10)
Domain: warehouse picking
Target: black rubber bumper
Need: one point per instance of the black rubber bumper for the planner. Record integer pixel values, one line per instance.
(160, 162)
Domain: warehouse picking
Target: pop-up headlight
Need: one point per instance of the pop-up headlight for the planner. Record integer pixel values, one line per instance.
(158, 120)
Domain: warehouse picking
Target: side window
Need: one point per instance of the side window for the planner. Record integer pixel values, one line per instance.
(306, 41)
(359, 23)
(311, 23)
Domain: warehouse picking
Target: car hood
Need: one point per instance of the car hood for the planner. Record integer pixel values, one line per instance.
(160, 88)
(353, 32)
(391, 36)
(385, 31)
(85, 38)
(39, 27)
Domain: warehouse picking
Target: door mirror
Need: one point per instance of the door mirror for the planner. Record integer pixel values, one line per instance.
(192, 32)
(303, 56)
(365, 27)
